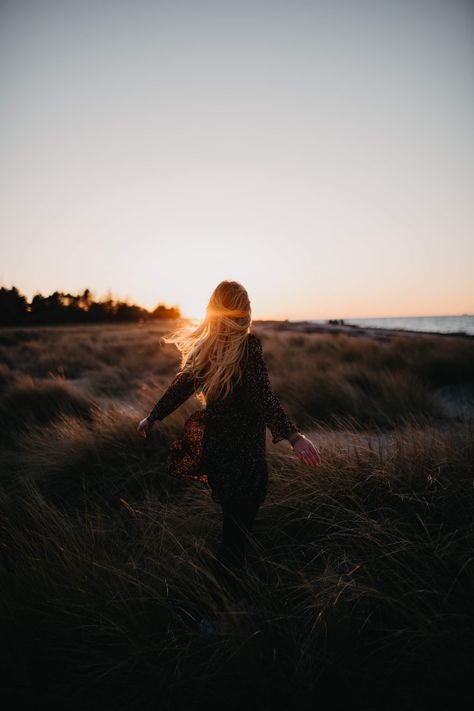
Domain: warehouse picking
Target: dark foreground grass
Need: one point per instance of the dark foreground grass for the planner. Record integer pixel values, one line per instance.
(360, 579)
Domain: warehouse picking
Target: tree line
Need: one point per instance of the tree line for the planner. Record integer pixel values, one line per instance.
(58, 307)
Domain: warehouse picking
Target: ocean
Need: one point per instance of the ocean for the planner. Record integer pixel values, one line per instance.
(434, 324)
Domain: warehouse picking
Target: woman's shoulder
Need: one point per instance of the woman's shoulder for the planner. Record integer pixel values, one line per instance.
(254, 341)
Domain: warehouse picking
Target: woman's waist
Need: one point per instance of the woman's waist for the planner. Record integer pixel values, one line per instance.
(231, 406)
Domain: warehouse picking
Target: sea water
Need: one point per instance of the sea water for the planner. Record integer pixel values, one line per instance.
(433, 324)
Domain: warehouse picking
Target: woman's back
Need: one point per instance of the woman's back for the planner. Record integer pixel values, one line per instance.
(224, 442)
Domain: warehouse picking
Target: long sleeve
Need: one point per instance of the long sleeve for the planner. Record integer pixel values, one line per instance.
(180, 389)
(261, 394)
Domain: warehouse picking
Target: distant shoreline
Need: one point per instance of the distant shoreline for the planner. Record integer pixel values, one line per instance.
(376, 332)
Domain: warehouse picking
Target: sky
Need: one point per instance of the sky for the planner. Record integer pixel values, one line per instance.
(320, 153)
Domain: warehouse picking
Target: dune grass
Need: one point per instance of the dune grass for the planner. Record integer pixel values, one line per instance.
(32, 403)
(319, 378)
(360, 574)
(326, 378)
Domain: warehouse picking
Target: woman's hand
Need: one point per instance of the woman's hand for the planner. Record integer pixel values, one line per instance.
(144, 426)
(307, 452)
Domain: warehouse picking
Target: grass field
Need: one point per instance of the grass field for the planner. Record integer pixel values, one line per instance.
(360, 573)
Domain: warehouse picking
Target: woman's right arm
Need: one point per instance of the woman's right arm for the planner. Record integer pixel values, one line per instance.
(179, 390)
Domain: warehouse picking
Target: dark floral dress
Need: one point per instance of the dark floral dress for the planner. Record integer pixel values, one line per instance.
(224, 444)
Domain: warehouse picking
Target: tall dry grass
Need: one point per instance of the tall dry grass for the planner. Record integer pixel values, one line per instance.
(334, 379)
(360, 574)
(339, 379)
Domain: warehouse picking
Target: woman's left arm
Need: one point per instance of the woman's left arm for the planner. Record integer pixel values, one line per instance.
(263, 396)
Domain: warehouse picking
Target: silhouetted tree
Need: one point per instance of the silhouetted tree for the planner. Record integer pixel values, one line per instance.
(49, 309)
(162, 312)
(60, 307)
(85, 300)
(130, 312)
(13, 307)
(101, 311)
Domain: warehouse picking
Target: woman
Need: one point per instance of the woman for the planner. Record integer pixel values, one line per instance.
(223, 444)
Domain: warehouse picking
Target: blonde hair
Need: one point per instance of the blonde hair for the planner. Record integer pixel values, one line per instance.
(213, 350)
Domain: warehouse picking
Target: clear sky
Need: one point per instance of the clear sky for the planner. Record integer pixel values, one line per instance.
(321, 153)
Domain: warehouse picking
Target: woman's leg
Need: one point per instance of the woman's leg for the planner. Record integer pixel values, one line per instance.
(237, 523)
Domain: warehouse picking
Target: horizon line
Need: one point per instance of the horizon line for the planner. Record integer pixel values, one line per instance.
(355, 318)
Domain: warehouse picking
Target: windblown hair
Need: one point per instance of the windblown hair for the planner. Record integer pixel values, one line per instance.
(213, 350)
